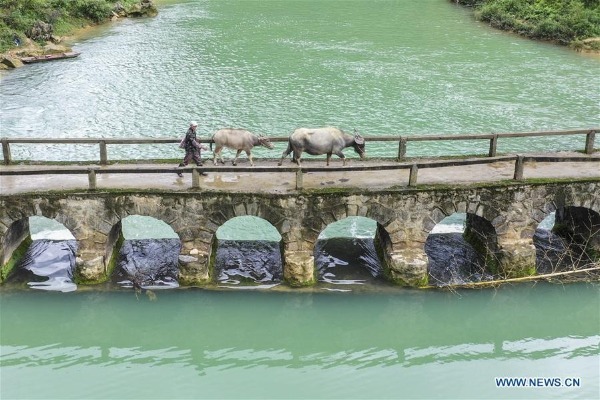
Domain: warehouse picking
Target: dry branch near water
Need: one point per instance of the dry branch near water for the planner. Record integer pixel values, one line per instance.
(591, 274)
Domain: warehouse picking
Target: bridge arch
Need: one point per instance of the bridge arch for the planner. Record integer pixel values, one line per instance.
(353, 248)
(247, 248)
(19, 235)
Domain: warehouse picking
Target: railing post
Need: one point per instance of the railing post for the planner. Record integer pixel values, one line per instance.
(6, 151)
(412, 178)
(299, 179)
(589, 142)
(519, 165)
(92, 178)
(493, 145)
(402, 148)
(103, 153)
(195, 178)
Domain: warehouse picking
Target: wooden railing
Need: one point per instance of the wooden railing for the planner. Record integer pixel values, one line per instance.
(92, 172)
(402, 141)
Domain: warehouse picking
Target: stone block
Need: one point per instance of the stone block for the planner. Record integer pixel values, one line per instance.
(408, 267)
(299, 268)
(517, 259)
(91, 270)
(193, 270)
(352, 210)
(239, 209)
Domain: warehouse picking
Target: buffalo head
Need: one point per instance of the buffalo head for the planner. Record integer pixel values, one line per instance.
(265, 141)
(359, 144)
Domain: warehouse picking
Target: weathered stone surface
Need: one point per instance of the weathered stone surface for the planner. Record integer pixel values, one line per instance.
(193, 270)
(299, 268)
(516, 260)
(513, 211)
(145, 8)
(408, 267)
(90, 270)
(11, 62)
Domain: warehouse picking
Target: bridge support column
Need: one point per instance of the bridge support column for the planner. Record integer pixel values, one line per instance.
(299, 268)
(193, 269)
(93, 257)
(517, 258)
(90, 268)
(407, 267)
(194, 259)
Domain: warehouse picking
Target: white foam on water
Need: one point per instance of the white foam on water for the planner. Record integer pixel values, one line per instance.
(253, 287)
(58, 284)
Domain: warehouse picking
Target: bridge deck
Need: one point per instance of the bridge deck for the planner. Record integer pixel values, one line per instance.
(269, 178)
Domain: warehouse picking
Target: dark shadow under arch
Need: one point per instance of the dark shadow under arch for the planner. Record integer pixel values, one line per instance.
(247, 250)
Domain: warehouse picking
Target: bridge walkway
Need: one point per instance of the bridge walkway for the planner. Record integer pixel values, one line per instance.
(267, 177)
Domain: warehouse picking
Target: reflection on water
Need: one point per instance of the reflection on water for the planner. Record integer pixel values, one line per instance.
(345, 254)
(148, 264)
(453, 260)
(48, 265)
(347, 261)
(414, 344)
(248, 261)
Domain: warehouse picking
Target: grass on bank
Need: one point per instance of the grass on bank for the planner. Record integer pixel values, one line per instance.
(575, 23)
(18, 18)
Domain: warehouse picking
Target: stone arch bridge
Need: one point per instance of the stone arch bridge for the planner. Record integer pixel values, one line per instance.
(404, 216)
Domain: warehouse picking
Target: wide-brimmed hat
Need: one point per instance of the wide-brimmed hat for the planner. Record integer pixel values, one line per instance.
(193, 123)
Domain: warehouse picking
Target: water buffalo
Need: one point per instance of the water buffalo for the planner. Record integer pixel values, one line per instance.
(237, 139)
(322, 141)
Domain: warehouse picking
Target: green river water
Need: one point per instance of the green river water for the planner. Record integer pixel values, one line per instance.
(382, 67)
(232, 344)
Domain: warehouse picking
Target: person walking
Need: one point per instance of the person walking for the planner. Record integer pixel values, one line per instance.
(193, 148)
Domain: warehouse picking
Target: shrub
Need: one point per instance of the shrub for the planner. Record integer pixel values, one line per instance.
(95, 10)
(562, 21)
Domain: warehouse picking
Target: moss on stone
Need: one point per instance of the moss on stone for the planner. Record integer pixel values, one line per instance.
(8, 268)
(114, 257)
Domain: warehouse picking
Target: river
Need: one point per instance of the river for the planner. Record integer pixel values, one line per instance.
(382, 67)
(258, 345)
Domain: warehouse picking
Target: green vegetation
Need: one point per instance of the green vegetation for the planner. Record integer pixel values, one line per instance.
(568, 22)
(42, 20)
(7, 269)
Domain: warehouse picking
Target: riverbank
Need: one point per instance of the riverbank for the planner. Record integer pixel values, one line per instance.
(574, 23)
(44, 29)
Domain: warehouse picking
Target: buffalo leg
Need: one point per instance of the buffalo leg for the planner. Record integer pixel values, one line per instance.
(249, 154)
(342, 156)
(217, 154)
(297, 156)
(285, 153)
(237, 154)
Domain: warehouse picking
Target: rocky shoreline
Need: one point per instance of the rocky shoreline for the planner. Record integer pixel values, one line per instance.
(43, 42)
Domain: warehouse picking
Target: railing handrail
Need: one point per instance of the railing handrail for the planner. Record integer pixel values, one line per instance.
(369, 138)
(75, 169)
(92, 171)
(401, 139)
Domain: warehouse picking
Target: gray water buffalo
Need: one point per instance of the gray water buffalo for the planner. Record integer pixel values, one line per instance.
(322, 141)
(237, 139)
